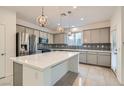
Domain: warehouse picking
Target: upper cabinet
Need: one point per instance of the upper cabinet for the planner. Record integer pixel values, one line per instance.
(30, 31)
(101, 35)
(86, 36)
(50, 38)
(105, 35)
(20, 28)
(37, 33)
(95, 36)
(59, 38)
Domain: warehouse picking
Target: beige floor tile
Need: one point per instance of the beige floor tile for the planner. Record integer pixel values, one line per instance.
(80, 81)
(91, 82)
(96, 76)
(83, 71)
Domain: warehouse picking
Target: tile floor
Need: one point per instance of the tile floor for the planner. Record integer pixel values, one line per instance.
(89, 76)
(95, 76)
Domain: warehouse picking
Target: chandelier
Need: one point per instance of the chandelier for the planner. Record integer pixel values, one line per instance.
(60, 29)
(42, 19)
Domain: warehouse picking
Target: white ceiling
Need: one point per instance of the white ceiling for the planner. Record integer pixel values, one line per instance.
(91, 14)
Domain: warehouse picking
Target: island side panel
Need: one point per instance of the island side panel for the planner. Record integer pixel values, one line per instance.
(73, 64)
(35, 77)
(58, 71)
(17, 74)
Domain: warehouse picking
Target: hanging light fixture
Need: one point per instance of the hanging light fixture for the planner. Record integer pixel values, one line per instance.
(42, 19)
(60, 28)
(69, 33)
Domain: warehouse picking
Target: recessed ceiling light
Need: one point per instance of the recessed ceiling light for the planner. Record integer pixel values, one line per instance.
(82, 19)
(74, 7)
(72, 26)
(58, 24)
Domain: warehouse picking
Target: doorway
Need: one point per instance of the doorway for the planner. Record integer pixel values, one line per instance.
(2, 51)
(114, 50)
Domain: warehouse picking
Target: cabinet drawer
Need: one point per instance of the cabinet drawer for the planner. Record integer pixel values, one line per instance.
(104, 53)
(92, 58)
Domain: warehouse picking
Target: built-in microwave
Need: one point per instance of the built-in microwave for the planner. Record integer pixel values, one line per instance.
(43, 40)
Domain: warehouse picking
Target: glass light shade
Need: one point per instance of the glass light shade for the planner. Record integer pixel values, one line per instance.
(69, 33)
(60, 29)
(42, 20)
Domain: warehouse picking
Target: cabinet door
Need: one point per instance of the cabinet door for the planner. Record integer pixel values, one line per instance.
(92, 58)
(55, 38)
(45, 35)
(105, 35)
(41, 34)
(50, 38)
(104, 59)
(59, 38)
(95, 36)
(36, 32)
(82, 57)
(30, 31)
(86, 36)
(20, 29)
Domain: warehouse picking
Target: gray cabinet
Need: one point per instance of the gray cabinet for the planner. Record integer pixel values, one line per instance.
(30, 31)
(50, 38)
(95, 37)
(105, 35)
(86, 36)
(92, 58)
(20, 28)
(104, 59)
(58, 38)
(100, 35)
(95, 58)
(83, 57)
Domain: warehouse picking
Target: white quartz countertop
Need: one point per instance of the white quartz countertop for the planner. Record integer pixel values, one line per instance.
(81, 50)
(44, 60)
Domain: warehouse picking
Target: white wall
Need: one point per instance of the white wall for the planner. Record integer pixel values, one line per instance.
(28, 24)
(122, 66)
(8, 18)
(117, 22)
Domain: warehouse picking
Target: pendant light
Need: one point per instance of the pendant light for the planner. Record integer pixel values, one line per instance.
(69, 33)
(42, 19)
(60, 28)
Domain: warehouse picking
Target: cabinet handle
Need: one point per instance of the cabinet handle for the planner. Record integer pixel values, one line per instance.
(2, 54)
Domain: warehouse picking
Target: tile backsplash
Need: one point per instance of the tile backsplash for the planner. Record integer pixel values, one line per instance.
(91, 46)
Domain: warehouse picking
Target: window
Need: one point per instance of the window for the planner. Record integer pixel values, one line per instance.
(75, 39)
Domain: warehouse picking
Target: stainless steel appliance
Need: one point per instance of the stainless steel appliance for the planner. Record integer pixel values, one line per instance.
(25, 44)
(32, 44)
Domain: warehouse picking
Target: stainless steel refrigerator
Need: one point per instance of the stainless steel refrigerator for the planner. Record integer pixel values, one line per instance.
(25, 44)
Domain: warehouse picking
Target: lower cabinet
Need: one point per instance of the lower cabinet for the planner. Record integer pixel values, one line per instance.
(95, 58)
(104, 59)
(83, 57)
(91, 58)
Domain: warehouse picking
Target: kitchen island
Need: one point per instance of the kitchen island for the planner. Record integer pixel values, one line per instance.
(43, 69)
